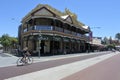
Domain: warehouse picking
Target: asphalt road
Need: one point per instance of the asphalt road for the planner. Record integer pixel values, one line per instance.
(105, 70)
(12, 71)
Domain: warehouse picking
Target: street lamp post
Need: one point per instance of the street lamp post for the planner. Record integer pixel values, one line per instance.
(39, 48)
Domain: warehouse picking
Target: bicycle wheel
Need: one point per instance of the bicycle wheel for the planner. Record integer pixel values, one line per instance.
(20, 62)
(29, 60)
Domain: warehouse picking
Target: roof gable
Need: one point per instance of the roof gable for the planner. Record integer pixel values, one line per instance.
(69, 19)
(43, 11)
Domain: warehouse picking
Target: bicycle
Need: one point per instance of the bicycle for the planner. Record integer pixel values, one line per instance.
(24, 61)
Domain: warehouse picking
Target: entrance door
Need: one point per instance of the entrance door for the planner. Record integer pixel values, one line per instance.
(42, 47)
(54, 47)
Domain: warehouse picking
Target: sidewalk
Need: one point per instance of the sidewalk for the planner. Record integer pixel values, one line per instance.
(10, 60)
(56, 57)
(60, 72)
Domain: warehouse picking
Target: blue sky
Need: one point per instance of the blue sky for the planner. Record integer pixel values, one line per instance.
(94, 13)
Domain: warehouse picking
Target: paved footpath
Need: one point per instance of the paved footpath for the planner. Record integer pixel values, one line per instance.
(106, 70)
(53, 69)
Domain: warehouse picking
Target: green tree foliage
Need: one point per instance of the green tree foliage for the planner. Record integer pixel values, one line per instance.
(117, 36)
(0, 40)
(5, 41)
(8, 42)
(105, 41)
(111, 46)
(14, 42)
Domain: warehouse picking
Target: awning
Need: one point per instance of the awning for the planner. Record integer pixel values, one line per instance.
(57, 38)
(44, 37)
(73, 40)
(78, 41)
(66, 39)
(82, 42)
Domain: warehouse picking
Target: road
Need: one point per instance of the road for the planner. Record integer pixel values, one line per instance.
(7, 59)
(105, 70)
(12, 71)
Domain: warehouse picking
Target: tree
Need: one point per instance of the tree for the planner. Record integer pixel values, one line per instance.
(0, 40)
(14, 42)
(5, 41)
(117, 36)
(110, 40)
(105, 41)
(111, 46)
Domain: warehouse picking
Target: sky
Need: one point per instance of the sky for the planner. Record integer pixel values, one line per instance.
(103, 16)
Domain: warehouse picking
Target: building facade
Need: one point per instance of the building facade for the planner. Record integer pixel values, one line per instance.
(50, 31)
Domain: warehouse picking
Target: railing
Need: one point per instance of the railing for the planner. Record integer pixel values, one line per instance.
(45, 27)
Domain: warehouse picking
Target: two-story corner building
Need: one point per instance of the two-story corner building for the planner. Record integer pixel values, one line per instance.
(52, 32)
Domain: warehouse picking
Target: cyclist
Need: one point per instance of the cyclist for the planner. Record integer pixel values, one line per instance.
(26, 57)
(25, 54)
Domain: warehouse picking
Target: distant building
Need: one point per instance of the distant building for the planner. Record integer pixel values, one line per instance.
(97, 40)
(97, 44)
(52, 32)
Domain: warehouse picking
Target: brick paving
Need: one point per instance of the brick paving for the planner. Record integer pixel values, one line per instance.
(12, 71)
(106, 70)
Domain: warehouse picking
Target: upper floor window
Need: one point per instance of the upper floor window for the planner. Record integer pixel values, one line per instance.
(39, 27)
(25, 30)
(73, 33)
(67, 31)
(30, 28)
(78, 34)
(59, 29)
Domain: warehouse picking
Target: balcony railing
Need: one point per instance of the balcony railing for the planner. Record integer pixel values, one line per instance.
(45, 27)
